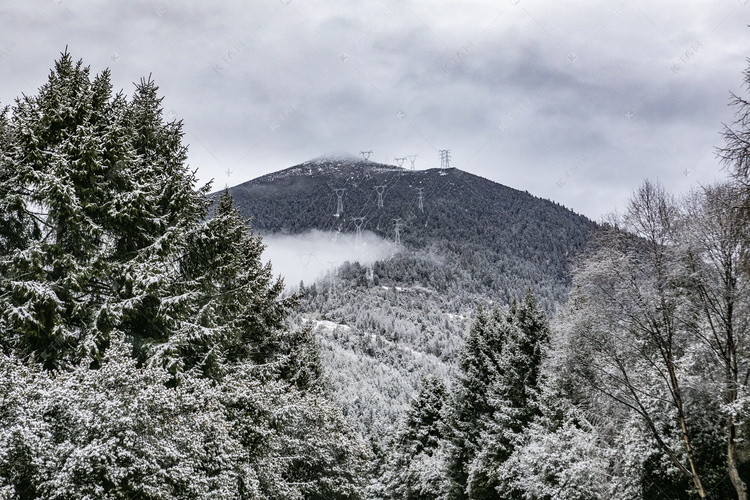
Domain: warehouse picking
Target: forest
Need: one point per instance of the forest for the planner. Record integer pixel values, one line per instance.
(147, 351)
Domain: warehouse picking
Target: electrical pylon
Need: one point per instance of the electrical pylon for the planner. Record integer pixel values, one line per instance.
(380, 190)
(358, 223)
(412, 158)
(397, 229)
(331, 279)
(340, 201)
(445, 158)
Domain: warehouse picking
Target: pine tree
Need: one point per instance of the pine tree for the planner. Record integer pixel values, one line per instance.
(479, 362)
(513, 395)
(223, 304)
(156, 295)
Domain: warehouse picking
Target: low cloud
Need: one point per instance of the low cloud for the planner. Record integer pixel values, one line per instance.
(309, 256)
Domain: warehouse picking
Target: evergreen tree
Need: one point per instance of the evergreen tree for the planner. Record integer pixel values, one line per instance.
(479, 362)
(64, 174)
(512, 396)
(107, 250)
(413, 468)
(158, 290)
(499, 381)
(227, 306)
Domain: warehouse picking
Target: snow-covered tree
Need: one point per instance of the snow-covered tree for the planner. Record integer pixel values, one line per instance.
(479, 361)
(712, 249)
(413, 470)
(512, 395)
(656, 323)
(169, 365)
(64, 174)
(495, 396)
(120, 431)
(222, 304)
(115, 432)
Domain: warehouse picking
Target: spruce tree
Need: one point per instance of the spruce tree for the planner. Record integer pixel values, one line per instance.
(156, 296)
(412, 470)
(479, 362)
(513, 395)
(62, 174)
(495, 397)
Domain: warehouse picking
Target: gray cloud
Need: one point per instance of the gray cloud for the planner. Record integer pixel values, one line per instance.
(576, 102)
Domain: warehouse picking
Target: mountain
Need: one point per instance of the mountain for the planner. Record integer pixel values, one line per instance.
(464, 241)
(505, 239)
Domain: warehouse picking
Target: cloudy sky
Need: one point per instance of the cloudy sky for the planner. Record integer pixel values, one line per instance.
(572, 101)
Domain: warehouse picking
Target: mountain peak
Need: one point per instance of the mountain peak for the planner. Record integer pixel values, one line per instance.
(334, 157)
(333, 163)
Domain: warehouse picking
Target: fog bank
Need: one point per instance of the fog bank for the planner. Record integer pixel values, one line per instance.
(309, 256)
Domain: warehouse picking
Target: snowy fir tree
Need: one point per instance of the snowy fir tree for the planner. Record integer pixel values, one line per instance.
(413, 470)
(480, 360)
(494, 399)
(147, 351)
(65, 171)
(512, 395)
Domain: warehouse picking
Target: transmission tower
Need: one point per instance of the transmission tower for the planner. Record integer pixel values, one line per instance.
(400, 161)
(420, 192)
(358, 223)
(340, 201)
(445, 158)
(331, 279)
(380, 190)
(305, 259)
(412, 158)
(398, 231)
(366, 155)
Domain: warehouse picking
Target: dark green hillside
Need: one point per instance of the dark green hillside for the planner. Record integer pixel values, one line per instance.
(495, 241)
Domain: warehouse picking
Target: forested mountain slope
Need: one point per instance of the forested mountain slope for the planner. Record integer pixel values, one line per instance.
(468, 241)
(488, 238)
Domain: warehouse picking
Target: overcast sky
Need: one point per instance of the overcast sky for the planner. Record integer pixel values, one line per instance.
(572, 101)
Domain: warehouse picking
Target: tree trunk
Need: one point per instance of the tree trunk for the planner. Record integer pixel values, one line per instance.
(677, 396)
(734, 475)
